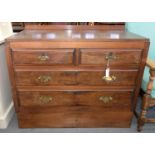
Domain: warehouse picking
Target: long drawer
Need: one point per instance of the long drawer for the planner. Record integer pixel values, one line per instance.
(92, 78)
(117, 57)
(111, 99)
(74, 116)
(43, 57)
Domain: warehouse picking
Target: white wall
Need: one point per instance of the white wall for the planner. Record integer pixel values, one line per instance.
(5, 30)
(6, 104)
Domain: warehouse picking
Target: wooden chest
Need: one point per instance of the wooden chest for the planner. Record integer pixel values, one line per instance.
(58, 76)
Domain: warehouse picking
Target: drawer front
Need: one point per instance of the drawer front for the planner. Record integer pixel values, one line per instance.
(118, 78)
(112, 100)
(43, 98)
(43, 78)
(116, 57)
(43, 57)
(74, 116)
(91, 78)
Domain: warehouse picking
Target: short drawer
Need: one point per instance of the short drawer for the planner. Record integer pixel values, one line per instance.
(46, 98)
(45, 78)
(118, 78)
(41, 57)
(106, 99)
(90, 78)
(116, 56)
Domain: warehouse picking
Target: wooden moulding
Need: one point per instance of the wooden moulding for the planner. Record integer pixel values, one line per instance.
(127, 44)
(74, 27)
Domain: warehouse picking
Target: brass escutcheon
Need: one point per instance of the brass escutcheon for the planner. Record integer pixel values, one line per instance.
(111, 56)
(105, 99)
(43, 57)
(45, 99)
(44, 79)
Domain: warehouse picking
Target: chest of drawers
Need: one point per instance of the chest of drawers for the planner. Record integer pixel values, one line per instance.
(58, 76)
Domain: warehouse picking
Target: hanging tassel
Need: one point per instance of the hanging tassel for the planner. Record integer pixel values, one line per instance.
(107, 72)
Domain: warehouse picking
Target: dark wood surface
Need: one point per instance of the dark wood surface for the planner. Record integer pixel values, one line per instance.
(58, 82)
(90, 78)
(71, 33)
(119, 99)
(19, 26)
(73, 116)
(54, 56)
(123, 56)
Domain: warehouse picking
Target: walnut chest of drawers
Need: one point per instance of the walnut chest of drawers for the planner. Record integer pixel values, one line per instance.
(58, 76)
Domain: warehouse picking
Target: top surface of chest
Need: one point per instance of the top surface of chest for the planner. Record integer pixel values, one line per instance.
(74, 33)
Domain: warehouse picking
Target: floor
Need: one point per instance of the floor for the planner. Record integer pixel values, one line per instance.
(148, 128)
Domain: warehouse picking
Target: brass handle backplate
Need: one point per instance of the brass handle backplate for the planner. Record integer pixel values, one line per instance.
(105, 99)
(109, 78)
(43, 57)
(45, 99)
(111, 56)
(44, 79)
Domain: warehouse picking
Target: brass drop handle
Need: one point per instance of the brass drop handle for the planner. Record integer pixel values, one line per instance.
(43, 57)
(44, 79)
(109, 78)
(111, 56)
(45, 99)
(105, 99)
